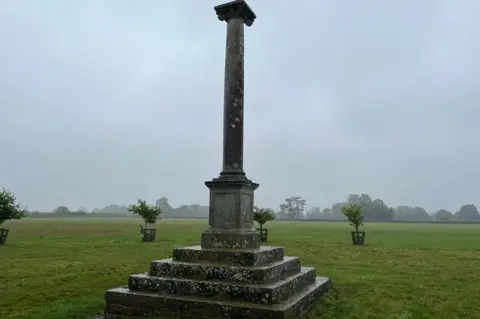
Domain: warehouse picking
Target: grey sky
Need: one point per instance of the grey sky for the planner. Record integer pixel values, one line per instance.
(107, 101)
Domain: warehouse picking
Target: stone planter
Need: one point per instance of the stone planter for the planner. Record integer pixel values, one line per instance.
(3, 235)
(358, 237)
(148, 235)
(263, 234)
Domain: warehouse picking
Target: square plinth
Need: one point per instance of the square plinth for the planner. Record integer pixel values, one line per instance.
(230, 215)
(236, 257)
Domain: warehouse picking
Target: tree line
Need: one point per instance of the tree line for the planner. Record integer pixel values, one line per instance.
(114, 210)
(374, 210)
(293, 208)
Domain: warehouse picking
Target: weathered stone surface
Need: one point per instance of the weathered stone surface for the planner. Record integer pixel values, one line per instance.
(231, 203)
(206, 271)
(237, 257)
(233, 99)
(231, 194)
(231, 214)
(132, 304)
(213, 238)
(235, 9)
(229, 275)
(261, 294)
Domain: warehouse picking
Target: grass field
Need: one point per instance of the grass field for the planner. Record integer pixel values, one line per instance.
(60, 268)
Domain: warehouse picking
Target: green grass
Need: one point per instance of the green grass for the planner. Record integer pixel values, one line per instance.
(60, 268)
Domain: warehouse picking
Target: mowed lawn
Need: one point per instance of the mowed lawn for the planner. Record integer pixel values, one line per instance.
(60, 268)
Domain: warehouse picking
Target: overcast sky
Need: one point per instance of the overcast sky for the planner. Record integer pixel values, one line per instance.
(108, 101)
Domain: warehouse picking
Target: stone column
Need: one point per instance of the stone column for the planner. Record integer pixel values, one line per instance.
(231, 194)
(235, 14)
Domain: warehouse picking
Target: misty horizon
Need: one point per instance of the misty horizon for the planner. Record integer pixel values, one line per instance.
(108, 102)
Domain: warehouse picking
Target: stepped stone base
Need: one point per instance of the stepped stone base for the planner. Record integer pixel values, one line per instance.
(243, 257)
(219, 283)
(125, 303)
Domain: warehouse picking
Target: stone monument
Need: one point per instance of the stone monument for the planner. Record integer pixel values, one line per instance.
(229, 275)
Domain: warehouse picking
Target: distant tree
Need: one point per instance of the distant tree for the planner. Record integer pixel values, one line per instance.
(327, 213)
(443, 215)
(190, 211)
(9, 207)
(372, 209)
(167, 210)
(403, 212)
(293, 207)
(381, 212)
(114, 209)
(262, 216)
(314, 213)
(285, 211)
(420, 214)
(61, 210)
(82, 209)
(362, 200)
(467, 213)
(317, 213)
(354, 215)
(281, 214)
(408, 213)
(149, 213)
(337, 211)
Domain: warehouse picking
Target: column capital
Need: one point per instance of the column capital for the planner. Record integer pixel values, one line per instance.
(235, 9)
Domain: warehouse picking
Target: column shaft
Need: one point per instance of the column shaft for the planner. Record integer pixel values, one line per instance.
(233, 99)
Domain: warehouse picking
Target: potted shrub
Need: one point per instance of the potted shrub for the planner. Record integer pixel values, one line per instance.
(354, 215)
(9, 209)
(262, 216)
(149, 214)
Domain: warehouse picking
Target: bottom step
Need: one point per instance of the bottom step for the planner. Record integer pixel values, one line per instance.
(122, 303)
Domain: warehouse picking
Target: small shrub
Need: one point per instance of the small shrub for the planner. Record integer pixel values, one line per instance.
(262, 216)
(149, 213)
(354, 215)
(9, 207)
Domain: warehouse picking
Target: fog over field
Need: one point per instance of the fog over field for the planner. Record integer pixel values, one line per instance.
(104, 102)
